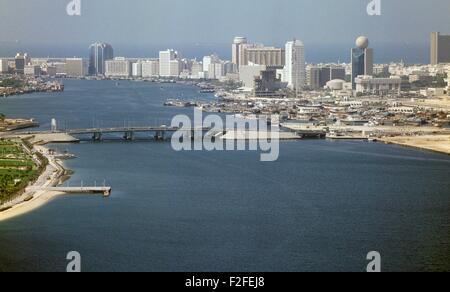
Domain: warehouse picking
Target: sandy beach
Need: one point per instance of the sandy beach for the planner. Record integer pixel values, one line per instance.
(50, 177)
(436, 143)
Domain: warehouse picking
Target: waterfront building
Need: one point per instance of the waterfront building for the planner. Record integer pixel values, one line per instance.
(137, 69)
(169, 65)
(295, 69)
(21, 60)
(76, 67)
(362, 59)
(99, 53)
(237, 46)
(150, 68)
(32, 70)
(4, 66)
(216, 70)
(440, 48)
(379, 86)
(119, 67)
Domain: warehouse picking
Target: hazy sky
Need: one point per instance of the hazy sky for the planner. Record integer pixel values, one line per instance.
(132, 24)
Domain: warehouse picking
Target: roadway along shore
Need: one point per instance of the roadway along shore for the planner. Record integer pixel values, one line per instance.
(32, 200)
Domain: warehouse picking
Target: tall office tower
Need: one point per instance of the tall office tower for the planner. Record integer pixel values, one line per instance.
(260, 55)
(362, 59)
(76, 67)
(295, 69)
(440, 48)
(99, 53)
(169, 65)
(236, 50)
(21, 61)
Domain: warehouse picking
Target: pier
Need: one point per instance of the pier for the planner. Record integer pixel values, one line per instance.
(106, 191)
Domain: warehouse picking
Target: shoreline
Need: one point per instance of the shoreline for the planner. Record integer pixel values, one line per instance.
(51, 176)
(434, 143)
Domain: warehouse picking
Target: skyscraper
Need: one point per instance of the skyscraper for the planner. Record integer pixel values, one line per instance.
(99, 54)
(169, 64)
(362, 59)
(236, 49)
(260, 55)
(21, 61)
(440, 48)
(295, 69)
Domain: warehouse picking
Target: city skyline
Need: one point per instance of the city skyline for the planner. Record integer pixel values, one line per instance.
(336, 26)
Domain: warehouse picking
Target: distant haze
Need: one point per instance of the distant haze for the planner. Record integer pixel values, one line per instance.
(139, 28)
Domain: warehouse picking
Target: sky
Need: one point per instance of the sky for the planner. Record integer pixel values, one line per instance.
(139, 28)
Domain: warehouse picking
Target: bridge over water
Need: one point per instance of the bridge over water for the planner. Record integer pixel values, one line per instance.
(97, 134)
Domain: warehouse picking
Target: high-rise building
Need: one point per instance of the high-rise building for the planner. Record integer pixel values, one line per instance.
(76, 67)
(208, 60)
(32, 70)
(260, 55)
(169, 65)
(150, 68)
(319, 76)
(196, 69)
(236, 50)
(137, 69)
(362, 59)
(216, 70)
(440, 48)
(4, 67)
(295, 69)
(119, 67)
(21, 61)
(99, 54)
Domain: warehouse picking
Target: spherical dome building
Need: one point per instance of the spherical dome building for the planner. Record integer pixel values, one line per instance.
(362, 42)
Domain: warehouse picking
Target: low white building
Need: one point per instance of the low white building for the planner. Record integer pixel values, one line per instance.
(402, 110)
(369, 84)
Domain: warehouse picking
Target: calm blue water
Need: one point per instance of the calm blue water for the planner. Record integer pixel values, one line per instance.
(321, 207)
